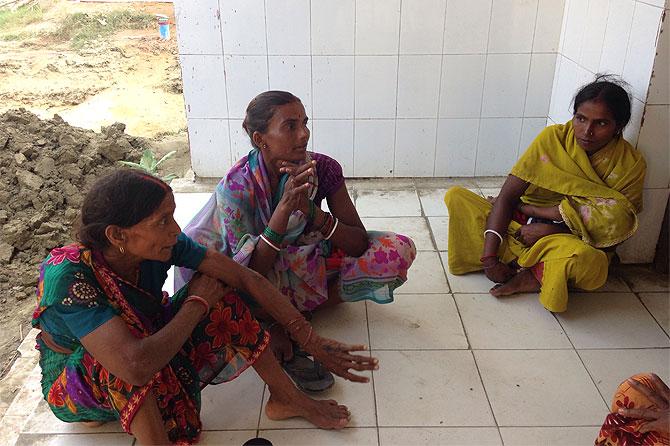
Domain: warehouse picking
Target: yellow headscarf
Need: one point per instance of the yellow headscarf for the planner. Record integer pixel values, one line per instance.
(599, 198)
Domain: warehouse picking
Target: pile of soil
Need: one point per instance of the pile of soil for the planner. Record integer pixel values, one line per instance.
(45, 168)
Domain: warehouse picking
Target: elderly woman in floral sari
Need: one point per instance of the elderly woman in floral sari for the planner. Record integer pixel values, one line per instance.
(114, 347)
(266, 214)
(573, 195)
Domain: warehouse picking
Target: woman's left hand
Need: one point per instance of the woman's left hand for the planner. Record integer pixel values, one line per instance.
(337, 358)
(530, 234)
(656, 419)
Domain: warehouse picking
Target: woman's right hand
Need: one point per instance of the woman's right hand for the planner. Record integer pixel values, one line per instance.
(295, 191)
(338, 358)
(212, 290)
(498, 272)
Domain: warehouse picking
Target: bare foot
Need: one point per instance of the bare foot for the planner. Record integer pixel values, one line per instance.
(325, 414)
(523, 282)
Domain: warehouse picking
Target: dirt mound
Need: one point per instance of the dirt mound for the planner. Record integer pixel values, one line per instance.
(45, 168)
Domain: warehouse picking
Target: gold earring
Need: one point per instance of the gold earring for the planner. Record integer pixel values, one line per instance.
(121, 250)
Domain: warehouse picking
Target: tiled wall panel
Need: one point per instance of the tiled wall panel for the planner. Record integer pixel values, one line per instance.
(373, 64)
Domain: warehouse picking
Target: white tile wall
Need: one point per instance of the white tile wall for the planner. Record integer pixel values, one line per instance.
(422, 26)
(204, 86)
(617, 33)
(641, 48)
(333, 27)
(376, 84)
(654, 143)
(199, 32)
(246, 76)
(467, 26)
(415, 147)
(640, 248)
(333, 87)
(418, 86)
(374, 142)
(530, 128)
(294, 74)
(512, 26)
(377, 26)
(498, 145)
(462, 85)
(540, 81)
(548, 26)
(594, 34)
(243, 24)
(210, 146)
(456, 147)
(288, 27)
(505, 85)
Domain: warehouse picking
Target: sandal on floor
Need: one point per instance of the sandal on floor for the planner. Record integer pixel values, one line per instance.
(308, 375)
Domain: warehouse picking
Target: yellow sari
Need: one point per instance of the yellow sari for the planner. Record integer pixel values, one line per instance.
(598, 197)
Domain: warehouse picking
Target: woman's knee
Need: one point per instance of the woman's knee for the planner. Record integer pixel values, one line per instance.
(454, 195)
(589, 266)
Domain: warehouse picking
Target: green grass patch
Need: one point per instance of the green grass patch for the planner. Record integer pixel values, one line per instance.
(22, 16)
(81, 28)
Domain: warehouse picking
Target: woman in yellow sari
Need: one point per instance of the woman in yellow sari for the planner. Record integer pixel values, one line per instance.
(572, 196)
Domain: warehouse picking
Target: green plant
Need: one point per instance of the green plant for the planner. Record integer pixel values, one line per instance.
(150, 164)
(81, 28)
(19, 17)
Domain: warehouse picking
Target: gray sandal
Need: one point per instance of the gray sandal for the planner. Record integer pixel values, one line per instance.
(308, 375)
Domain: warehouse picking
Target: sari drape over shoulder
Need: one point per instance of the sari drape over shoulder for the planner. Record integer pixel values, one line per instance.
(242, 206)
(599, 197)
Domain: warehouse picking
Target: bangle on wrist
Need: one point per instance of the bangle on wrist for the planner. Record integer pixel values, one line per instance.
(488, 256)
(269, 243)
(494, 232)
(200, 301)
(273, 236)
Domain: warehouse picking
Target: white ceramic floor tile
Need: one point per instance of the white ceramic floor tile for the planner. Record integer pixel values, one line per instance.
(358, 397)
(388, 204)
(430, 388)
(628, 362)
(463, 436)
(43, 421)
(490, 182)
(415, 322)
(614, 284)
(610, 320)
(539, 388)
(659, 305)
(188, 204)
(413, 227)
(433, 201)
(244, 393)
(518, 322)
(345, 323)
(489, 191)
(311, 437)
(223, 438)
(644, 279)
(475, 282)
(549, 436)
(439, 226)
(425, 275)
(75, 440)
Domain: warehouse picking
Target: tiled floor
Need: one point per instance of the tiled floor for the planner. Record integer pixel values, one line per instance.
(457, 366)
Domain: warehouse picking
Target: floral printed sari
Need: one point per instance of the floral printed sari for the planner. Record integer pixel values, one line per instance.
(77, 283)
(241, 208)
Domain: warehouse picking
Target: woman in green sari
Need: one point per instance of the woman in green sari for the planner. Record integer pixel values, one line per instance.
(113, 346)
(573, 195)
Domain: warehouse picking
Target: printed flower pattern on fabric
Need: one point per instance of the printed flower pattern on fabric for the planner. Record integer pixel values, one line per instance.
(222, 326)
(71, 253)
(81, 293)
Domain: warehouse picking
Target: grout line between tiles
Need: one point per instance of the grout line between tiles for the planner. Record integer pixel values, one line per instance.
(637, 294)
(486, 394)
(581, 360)
(372, 374)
